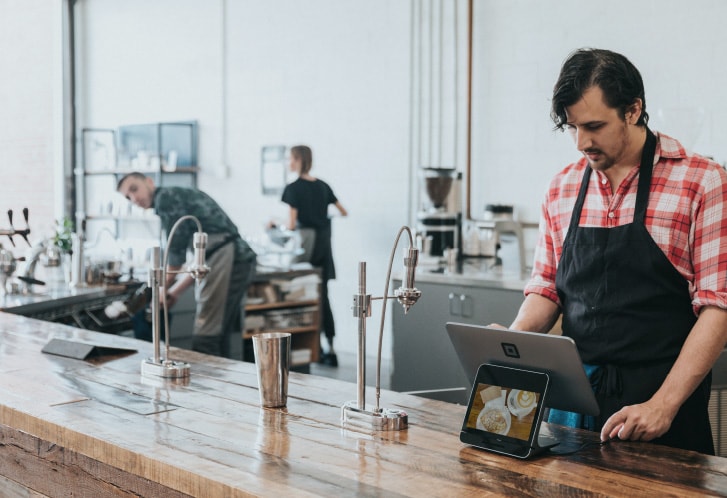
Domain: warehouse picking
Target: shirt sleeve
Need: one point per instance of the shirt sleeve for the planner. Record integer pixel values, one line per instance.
(710, 243)
(169, 210)
(331, 197)
(542, 280)
(290, 197)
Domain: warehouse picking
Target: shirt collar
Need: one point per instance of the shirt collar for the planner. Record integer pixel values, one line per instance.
(668, 148)
(154, 197)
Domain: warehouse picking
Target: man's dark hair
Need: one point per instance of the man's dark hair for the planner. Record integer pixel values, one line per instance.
(614, 74)
(133, 174)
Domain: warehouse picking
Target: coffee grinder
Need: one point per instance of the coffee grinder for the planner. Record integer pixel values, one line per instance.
(441, 214)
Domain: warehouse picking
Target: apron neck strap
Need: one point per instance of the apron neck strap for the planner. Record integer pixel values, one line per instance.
(645, 170)
(642, 195)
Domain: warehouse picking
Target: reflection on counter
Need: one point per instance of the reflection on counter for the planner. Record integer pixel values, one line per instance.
(81, 307)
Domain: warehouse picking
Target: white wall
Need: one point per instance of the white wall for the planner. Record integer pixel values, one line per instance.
(335, 74)
(31, 159)
(329, 73)
(679, 47)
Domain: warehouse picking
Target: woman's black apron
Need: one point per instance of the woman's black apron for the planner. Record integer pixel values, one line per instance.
(629, 311)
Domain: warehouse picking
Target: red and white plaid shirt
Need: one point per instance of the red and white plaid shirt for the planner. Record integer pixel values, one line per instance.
(686, 217)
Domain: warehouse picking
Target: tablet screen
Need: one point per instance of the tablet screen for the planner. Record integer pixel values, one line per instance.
(505, 402)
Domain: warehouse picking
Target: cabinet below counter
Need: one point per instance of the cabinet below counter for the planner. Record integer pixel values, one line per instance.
(424, 360)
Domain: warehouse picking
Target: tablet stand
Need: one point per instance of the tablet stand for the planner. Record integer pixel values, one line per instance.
(543, 444)
(538, 444)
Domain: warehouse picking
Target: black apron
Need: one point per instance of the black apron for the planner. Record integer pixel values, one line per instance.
(629, 311)
(322, 254)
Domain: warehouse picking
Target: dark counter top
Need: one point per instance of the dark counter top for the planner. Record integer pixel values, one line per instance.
(82, 307)
(38, 302)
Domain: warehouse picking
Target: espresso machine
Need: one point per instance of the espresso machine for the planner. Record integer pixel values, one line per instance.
(439, 220)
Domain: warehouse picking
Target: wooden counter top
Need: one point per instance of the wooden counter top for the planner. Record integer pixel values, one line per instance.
(82, 428)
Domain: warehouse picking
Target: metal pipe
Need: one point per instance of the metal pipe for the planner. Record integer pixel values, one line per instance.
(354, 414)
(468, 167)
(158, 281)
(455, 44)
(430, 101)
(383, 310)
(167, 332)
(70, 121)
(411, 208)
(440, 84)
(361, 358)
(154, 275)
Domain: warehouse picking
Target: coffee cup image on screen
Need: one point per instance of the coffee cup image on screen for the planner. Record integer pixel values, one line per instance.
(503, 411)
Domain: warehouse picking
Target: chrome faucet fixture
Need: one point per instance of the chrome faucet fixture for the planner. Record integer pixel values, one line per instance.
(10, 232)
(355, 414)
(158, 366)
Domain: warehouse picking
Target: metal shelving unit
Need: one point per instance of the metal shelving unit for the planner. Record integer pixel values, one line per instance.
(166, 151)
(305, 334)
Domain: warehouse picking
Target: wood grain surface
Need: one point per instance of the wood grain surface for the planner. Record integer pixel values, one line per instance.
(97, 428)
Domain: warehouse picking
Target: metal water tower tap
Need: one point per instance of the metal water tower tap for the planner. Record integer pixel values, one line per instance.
(354, 414)
(158, 366)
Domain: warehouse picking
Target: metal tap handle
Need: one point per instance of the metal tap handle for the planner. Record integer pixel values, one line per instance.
(24, 233)
(10, 218)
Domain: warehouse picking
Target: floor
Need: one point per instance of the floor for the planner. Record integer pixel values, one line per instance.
(346, 370)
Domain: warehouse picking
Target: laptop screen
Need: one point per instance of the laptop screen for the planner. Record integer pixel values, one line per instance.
(505, 409)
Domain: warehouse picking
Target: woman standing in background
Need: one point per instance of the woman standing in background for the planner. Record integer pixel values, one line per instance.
(308, 198)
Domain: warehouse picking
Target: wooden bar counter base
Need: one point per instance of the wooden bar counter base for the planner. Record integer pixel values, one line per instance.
(96, 428)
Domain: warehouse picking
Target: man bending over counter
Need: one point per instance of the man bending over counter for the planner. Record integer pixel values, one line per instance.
(219, 296)
(633, 252)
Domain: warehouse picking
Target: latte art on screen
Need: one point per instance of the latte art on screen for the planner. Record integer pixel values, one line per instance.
(525, 399)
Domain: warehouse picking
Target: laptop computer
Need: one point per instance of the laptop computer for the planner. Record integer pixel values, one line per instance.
(505, 411)
(569, 387)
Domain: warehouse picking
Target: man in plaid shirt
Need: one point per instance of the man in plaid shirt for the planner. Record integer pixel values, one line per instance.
(633, 253)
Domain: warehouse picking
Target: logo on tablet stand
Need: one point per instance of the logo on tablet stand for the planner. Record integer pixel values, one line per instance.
(510, 350)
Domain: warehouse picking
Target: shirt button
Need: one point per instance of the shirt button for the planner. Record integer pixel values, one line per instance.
(604, 181)
(611, 215)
